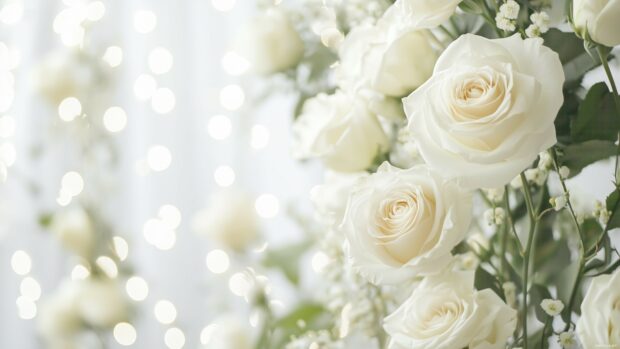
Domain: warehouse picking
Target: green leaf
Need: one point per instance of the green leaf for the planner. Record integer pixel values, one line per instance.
(287, 260)
(471, 6)
(537, 294)
(613, 206)
(574, 58)
(311, 316)
(579, 155)
(597, 118)
(483, 279)
(45, 219)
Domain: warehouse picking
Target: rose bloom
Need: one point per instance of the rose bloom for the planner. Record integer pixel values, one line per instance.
(599, 18)
(404, 223)
(75, 231)
(58, 316)
(65, 73)
(388, 58)
(102, 302)
(229, 332)
(330, 198)
(446, 312)
(425, 13)
(229, 219)
(269, 43)
(599, 324)
(488, 109)
(340, 130)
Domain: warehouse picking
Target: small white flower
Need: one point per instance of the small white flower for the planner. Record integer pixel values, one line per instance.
(536, 176)
(495, 194)
(541, 20)
(468, 261)
(604, 217)
(494, 216)
(558, 202)
(510, 9)
(564, 172)
(504, 23)
(545, 161)
(567, 339)
(552, 307)
(533, 31)
(601, 212)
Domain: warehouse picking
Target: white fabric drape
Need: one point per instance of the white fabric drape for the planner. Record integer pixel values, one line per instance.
(196, 34)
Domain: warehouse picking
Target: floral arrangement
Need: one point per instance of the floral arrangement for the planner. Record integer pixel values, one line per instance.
(448, 130)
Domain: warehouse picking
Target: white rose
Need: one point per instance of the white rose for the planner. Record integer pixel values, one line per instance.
(229, 332)
(102, 302)
(340, 130)
(424, 13)
(270, 43)
(229, 219)
(599, 324)
(385, 58)
(75, 231)
(330, 198)
(487, 111)
(58, 315)
(65, 73)
(599, 18)
(446, 312)
(404, 223)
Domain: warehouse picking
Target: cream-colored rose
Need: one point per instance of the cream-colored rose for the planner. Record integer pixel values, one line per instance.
(229, 219)
(599, 324)
(340, 130)
(330, 198)
(424, 13)
(270, 43)
(75, 231)
(386, 58)
(600, 19)
(65, 73)
(102, 302)
(401, 224)
(446, 312)
(229, 332)
(59, 317)
(487, 111)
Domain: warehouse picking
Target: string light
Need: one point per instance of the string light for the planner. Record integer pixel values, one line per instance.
(223, 5)
(137, 288)
(174, 338)
(30, 289)
(144, 87)
(218, 261)
(121, 247)
(219, 127)
(144, 21)
(158, 158)
(113, 56)
(79, 272)
(115, 119)
(260, 137)
(163, 100)
(165, 312)
(232, 97)
(160, 60)
(69, 109)
(224, 176)
(267, 206)
(170, 216)
(108, 266)
(21, 262)
(125, 334)
(26, 308)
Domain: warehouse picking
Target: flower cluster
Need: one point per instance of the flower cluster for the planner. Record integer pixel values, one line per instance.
(430, 131)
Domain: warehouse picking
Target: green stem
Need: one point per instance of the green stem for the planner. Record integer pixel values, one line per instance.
(603, 56)
(511, 222)
(526, 257)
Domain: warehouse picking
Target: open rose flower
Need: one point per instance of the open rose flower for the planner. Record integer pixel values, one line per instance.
(340, 130)
(424, 13)
(404, 223)
(386, 58)
(599, 324)
(446, 312)
(488, 109)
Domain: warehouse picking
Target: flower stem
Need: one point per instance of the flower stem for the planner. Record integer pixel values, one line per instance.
(511, 222)
(526, 256)
(603, 56)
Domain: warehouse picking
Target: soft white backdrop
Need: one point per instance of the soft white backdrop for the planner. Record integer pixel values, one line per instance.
(196, 34)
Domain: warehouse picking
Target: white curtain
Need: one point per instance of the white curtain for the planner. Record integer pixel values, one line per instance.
(196, 34)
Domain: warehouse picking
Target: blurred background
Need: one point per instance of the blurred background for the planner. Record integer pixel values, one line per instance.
(134, 147)
(136, 110)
